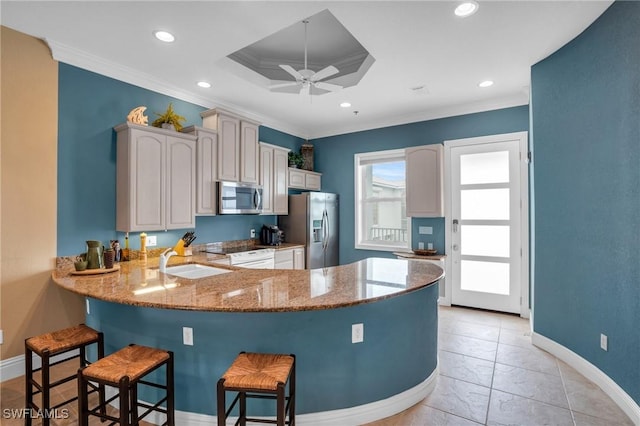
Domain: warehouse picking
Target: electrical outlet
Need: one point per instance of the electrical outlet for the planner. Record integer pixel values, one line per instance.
(604, 342)
(253, 233)
(357, 333)
(151, 241)
(430, 246)
(421, 245)
(187, 336)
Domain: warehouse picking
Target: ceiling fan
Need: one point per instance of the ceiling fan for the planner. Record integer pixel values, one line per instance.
(306, 78)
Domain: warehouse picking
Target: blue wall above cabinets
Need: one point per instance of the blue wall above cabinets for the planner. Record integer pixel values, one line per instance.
(90, 105)
(334, 158)
(586, 141)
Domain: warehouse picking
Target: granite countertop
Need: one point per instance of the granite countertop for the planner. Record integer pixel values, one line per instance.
(282, 246)
(140, 283)
(411, 255)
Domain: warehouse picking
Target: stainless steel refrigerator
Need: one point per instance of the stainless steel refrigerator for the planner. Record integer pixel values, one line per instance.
(313, 221)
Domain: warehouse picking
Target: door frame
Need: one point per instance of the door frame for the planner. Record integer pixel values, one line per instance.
(523, 161)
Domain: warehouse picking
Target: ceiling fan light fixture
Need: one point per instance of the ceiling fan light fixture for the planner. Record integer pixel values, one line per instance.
(466, 8)
(165, 36)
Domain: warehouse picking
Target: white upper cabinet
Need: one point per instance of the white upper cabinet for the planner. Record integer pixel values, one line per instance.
(304, 179)
(238, 158)
(206, 169)
(249, 152)
(424, 181)
(155, 179)
(273, 178)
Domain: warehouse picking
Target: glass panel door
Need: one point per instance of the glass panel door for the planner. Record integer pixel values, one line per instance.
(485, 198)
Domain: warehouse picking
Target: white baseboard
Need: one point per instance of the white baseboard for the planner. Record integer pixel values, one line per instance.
(11, 368)
(345, 417)
(591, 372)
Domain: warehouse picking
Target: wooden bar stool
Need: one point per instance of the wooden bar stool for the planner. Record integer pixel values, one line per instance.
(256, 375)
(124, 370)
(59, 342)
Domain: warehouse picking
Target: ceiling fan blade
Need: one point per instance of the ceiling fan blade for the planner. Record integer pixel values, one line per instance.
(283, 84)
(328, 86)
(324, 73)
(292, 71)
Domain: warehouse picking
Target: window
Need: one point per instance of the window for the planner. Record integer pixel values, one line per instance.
(381, 221)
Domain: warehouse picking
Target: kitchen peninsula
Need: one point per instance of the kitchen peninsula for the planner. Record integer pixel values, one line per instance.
(306, 312)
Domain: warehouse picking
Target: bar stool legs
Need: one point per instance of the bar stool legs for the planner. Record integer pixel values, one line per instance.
(125, 370)
(46, 346)
(264, 376)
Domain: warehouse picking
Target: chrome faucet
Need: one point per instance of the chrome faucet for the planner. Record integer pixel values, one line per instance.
(164, 258)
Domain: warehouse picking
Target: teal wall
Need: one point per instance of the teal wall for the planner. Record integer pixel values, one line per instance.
(398, 353)
(334, 158)
(90, 105)
(586, 140)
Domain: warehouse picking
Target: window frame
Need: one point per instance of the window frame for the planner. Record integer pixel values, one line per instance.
(359, 242)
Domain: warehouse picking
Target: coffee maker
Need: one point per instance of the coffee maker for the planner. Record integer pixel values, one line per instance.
(271, 235)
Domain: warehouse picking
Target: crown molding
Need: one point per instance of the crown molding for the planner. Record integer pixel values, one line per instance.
(81, 59)
(451, 111)
(63, 53)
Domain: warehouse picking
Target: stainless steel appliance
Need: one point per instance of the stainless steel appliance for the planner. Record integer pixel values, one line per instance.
(245, 257)
(313, 221)
(239, 198)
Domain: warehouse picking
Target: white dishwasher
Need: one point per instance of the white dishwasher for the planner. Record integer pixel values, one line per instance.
(254, 259)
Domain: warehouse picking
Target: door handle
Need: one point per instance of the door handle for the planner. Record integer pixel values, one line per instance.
(327, 234)
(455, 225)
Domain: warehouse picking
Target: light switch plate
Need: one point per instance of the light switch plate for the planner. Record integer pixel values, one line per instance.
(427, 230)
(152, 241)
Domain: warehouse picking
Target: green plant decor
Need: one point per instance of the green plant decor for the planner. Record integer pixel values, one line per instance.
(295, 159)
(169, 117)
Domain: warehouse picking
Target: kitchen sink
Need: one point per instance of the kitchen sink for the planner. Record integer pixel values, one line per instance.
(193, 271)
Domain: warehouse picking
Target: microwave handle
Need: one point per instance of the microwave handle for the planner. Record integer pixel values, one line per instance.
(256, 199)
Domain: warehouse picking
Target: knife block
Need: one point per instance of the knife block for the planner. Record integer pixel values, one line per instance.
(181, 250)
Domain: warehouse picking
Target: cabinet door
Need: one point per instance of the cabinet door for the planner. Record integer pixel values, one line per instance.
(228, 148)
(206, 173)
(147, 185)
(424, 181)
(249, 157)
(280, 188)
(284, 259)
(181, 182)
(312, 181)
(266, 178)
(296, 178)
(298, 258)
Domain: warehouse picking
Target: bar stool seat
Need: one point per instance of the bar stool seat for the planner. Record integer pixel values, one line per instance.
(47, 345)
(259, 375)
(124, 370)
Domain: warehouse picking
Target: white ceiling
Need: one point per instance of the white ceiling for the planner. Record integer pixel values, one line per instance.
(414, 43)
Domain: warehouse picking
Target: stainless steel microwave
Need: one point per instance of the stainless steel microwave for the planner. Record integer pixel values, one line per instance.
(239, 198)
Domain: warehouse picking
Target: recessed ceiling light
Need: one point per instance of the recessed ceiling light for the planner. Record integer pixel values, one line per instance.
(204, 84)
(345, 105)
(486, 83)
(466, 8)
(165, 36)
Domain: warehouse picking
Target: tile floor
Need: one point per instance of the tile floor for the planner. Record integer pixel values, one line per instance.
(490, 374)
